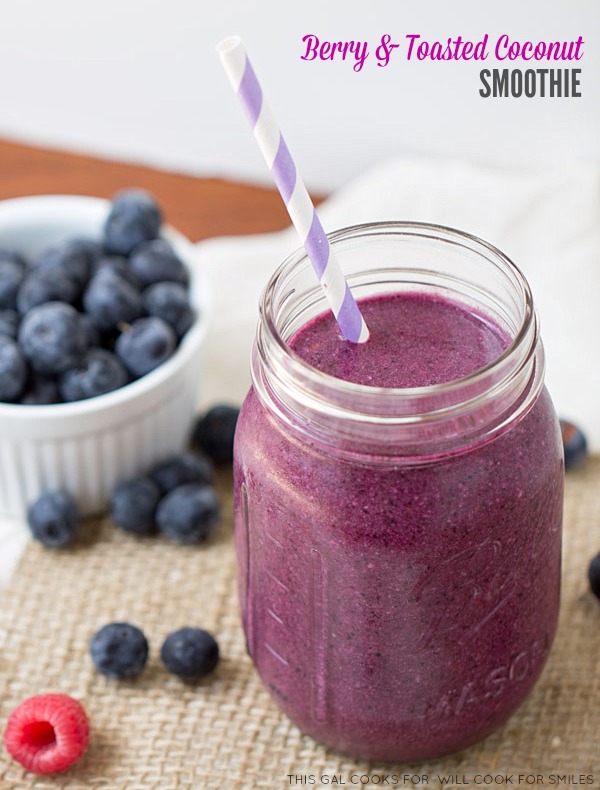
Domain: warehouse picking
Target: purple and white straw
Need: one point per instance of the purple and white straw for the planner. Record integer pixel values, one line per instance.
(292, 190)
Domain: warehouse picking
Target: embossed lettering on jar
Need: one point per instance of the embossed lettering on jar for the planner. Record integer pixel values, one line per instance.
(398, 541)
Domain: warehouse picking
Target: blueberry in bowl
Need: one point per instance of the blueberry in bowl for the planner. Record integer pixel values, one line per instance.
(73, 414)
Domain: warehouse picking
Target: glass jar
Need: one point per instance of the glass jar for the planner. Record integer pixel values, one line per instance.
(399, 549)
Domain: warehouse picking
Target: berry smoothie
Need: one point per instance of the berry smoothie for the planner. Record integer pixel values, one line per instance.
(398, 610)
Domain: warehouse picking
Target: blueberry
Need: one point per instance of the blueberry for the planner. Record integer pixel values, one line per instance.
(92, 249)
(574, 443)
(214, 432)
(117, 264)
(189, 513)
(594, 575)
(45, 285)
(148, 343)
(69, 258)
(170, 302)
(40, 390)
(110, 300)
(97, 372)
(183, 468)
(133, 505)
(108, 340)
(11, 276)
(51, 337)
(155, 262)
(13, 370)
(11, 254)
(54, 519)
(190, 653)
(134, 218)
(119, 650)
(91, 334)
(9, 323)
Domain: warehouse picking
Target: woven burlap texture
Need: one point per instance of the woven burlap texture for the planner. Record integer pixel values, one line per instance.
(225, 732)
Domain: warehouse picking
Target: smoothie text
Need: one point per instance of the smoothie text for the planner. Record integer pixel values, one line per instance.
(506, 50)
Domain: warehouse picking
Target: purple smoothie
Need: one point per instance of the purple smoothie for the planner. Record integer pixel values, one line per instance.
(399, 611)
(415, 340)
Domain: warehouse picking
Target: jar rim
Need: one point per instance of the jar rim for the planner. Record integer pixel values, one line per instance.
(404, 424)
(401, 228)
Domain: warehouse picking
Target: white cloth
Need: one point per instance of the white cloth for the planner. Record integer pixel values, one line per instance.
(13, 539)
(546, 220)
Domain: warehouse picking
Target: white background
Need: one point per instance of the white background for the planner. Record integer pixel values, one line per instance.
(139, 80)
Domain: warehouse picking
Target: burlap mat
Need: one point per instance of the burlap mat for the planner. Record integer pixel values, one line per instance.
(226, 732)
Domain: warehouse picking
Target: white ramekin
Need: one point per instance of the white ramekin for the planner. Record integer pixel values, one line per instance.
(88, 446)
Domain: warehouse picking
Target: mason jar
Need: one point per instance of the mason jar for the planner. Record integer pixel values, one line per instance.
(399, 547)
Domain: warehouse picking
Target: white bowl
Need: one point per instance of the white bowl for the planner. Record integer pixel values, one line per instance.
(88, 446)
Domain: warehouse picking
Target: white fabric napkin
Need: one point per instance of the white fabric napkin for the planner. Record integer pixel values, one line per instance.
(546, 219)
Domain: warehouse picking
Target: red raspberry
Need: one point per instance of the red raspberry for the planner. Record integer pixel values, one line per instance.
(47, 733)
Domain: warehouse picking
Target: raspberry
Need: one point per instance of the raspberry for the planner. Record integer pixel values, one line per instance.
(47, 733)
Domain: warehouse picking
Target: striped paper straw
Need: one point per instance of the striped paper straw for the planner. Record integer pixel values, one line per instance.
(292, 190)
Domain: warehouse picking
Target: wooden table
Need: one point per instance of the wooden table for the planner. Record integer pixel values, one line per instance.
(198, 207)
